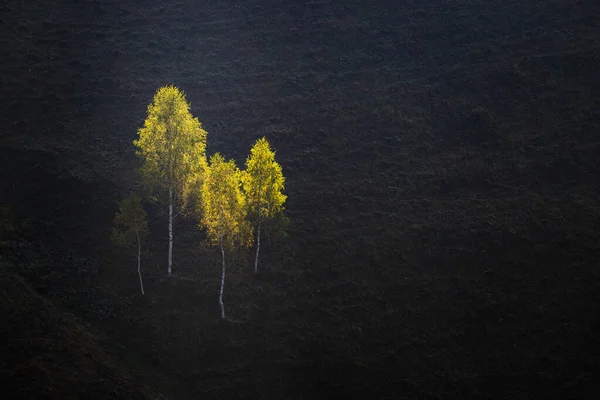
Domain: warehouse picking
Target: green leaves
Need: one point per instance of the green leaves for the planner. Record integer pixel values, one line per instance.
(131, 223)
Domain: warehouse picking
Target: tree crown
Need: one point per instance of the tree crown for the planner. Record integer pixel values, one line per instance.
(131, 222)
(224, 205)
(263, 181)
(171, 144)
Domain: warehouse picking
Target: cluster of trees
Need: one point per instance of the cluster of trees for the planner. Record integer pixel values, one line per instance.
(230, 204)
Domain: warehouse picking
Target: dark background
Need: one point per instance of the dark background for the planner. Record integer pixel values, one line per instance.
(441, 162)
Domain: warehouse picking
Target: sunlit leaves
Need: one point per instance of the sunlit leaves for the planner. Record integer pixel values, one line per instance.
(263, 181)
(172, 146)
(224, 205)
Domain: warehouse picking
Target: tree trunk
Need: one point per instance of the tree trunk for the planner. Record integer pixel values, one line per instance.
(139, 256)
(257, 249)
(170, 231)
(140, 268)
(222, 284)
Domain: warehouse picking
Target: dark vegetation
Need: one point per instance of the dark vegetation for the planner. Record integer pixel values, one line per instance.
(441, 162)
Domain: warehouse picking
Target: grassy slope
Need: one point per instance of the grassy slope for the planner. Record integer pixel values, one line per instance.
(441, 164)
(49, 353)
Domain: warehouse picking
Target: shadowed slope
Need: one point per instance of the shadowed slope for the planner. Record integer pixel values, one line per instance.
(47, 352)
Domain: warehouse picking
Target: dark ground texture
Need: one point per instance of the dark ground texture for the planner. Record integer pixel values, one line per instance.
(442, 164)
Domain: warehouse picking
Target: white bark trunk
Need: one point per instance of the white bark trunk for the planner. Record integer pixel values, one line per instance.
(140, 269)
(139, 256)
(257, 249)
(170, 231)
(222, 284)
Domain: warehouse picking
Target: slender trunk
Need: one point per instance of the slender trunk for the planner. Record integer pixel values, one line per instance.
(257, 249)
(222, 284)
(170, 230)
(140, 270)
(139, 256)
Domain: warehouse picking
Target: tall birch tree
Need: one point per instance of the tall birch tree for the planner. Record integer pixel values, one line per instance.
(172, 147)
(223, 209)
(263, 184)
(131, 228)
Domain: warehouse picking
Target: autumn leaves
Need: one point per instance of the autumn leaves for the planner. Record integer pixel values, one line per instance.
(231, 205)
(172, 146)
(263, 186)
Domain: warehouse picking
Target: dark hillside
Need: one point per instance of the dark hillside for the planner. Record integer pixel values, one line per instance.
(441, 162)
(48, 353)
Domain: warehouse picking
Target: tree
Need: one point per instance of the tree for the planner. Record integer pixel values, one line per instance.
(172, 146)
(224, 210)
(131, 228)
(263, 184)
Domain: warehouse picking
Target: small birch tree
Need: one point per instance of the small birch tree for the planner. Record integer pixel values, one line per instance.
(224, 211)
(131, 229)
(172, 147)
(263, 183)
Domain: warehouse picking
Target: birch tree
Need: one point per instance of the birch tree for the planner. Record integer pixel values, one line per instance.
(131, 228)
(224, 211)
(263, 184)
(172, 147)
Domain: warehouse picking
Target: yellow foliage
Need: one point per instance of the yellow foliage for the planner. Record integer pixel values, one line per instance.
(263, 181)
(224, 205)
(172, 145)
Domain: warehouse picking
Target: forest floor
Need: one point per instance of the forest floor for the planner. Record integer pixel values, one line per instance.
(441, 162)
